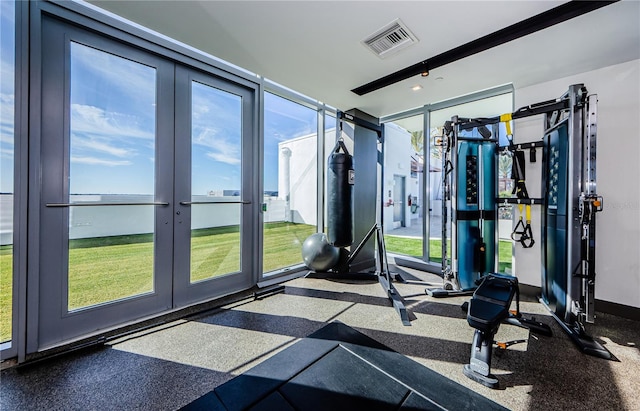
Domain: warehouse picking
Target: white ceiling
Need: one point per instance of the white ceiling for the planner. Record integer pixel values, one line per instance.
(314, 47)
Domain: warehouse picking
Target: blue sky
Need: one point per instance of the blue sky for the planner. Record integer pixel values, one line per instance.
(112, 119)
(113, 129)
(283, 120)
(216, 140)
(112, 144)
(7, 41)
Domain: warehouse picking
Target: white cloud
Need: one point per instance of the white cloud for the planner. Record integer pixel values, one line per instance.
(95, 121)
(224, 158)
(94, 144)
(99, 161)
(7, 98)
(7, 87)
(220, 148)
(6, 134)
(6, 153)
(198, 110)
(6, 118)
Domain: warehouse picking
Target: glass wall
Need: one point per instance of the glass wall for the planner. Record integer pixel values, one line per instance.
(487, 107)
(402, 188)
(412, 190)
(216, 181)
(112, 136)
(7, 144)
(290, 176)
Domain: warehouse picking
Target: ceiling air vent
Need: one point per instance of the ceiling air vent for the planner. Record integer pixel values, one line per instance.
(390, 39)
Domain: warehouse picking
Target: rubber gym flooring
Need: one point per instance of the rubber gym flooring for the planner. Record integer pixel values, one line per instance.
(184, 362)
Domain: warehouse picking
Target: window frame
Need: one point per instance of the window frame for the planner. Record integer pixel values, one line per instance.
(425, 264)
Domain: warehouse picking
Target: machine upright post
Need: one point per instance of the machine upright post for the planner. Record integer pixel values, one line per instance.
(589, 186)
(453, 202)
(568, 251)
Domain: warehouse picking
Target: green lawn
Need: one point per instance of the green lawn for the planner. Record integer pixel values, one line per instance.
(110, 268)
(282, 244)
(413, 247)
(6, 283)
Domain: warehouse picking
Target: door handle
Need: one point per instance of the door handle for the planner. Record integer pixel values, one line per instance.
(98, 204)
(213, 202)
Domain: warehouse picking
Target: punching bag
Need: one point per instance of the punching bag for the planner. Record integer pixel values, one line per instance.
(340, 179)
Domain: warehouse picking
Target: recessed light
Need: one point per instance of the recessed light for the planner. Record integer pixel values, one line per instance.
(416, 87)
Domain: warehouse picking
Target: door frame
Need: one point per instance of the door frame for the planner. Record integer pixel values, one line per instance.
(399, 182)
(184, 291)
(56, 322)
(90, 18)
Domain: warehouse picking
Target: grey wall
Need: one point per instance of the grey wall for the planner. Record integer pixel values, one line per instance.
(365, 157)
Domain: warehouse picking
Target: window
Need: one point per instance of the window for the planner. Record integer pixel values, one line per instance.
(290, 180)
(487, 107)
(7, 144)
(403, 201)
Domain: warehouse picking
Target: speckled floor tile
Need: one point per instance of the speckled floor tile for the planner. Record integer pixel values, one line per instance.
(169, 366)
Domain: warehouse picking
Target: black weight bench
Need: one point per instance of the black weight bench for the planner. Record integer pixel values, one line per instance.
(487, 309)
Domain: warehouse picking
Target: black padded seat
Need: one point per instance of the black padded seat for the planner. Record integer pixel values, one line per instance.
(490, 303)
(488, 308)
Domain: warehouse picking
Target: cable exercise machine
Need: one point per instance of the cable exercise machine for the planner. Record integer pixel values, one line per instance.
(469, 184)
(569, 205)
(569, 217)
(471, 149)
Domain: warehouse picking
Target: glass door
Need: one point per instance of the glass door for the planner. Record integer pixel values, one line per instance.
(403, 195)
(106, 166)
(146, 185)
(213, 189)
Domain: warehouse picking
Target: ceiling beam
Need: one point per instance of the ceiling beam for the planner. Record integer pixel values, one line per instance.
(523, 28)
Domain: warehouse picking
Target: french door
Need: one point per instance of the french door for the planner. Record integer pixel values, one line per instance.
(145, 185)
(212, 194)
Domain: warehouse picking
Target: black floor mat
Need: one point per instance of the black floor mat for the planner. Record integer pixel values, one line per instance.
(338, 368)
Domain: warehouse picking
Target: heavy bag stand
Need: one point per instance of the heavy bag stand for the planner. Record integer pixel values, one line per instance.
(382, 274)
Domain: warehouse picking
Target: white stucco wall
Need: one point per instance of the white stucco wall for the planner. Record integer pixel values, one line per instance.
(397, 162)
(298, 178)
(618, 178)
(90, 222)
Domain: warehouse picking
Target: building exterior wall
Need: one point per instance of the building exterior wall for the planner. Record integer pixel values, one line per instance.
(298, 179)
(397, 162)
(90, 222)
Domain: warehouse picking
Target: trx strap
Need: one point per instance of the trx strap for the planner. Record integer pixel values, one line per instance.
(517, 169)
(517, 173)
(522, 233)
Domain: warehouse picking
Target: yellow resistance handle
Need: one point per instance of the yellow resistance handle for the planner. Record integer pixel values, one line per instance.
(506, 118)
(520, 208)
(528, 208)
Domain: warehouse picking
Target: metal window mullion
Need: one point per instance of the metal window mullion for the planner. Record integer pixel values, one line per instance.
(320, 200)
(426, 184)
